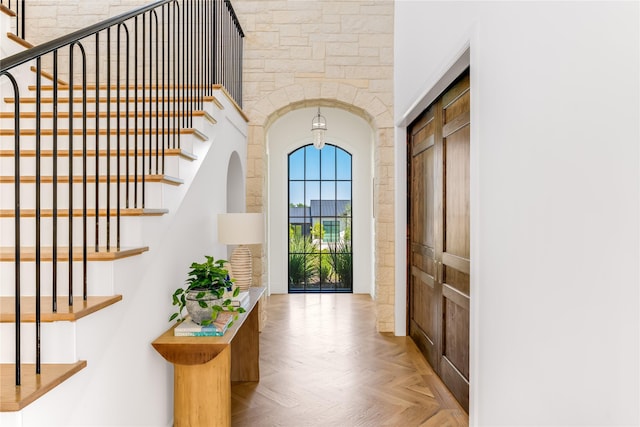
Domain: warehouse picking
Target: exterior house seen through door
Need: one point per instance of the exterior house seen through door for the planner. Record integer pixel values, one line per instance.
(320, 257)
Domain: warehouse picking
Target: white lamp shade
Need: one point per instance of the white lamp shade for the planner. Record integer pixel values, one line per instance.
(240, 228)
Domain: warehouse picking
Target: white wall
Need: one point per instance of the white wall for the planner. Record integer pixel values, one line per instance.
(555, 200)
(350, 133)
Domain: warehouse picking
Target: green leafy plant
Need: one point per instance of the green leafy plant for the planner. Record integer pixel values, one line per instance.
(326, 267)
(342, 263)
(346, 220)
(302, 265)
(208, 281)
(317, 231)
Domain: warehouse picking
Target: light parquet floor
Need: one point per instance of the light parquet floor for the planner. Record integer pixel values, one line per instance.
(322, 363)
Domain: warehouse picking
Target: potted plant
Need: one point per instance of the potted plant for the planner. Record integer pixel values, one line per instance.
(209, 291)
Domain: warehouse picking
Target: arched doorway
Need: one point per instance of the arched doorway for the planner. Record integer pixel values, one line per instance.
(355, 136)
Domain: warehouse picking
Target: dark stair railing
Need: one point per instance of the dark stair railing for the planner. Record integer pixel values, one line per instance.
(157, 64)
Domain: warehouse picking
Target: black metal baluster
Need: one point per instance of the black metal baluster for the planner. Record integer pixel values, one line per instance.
(165, 75)
(119, 127)
(97, 146)
(199, 59)
(70, 173)
(165, 70)
(38, 208)
(54, 213)
(108, 180)
(150, 123)
(184, 64)
(144, 106)
(23, 23)
(192, 65)
(84, 173)
(16, 237)
(127, 127)
(176, 66)
(157, 128)
(189, 62)
(207, 52)
(135, 113)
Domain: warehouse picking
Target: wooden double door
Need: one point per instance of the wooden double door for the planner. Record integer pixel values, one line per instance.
(438, 210)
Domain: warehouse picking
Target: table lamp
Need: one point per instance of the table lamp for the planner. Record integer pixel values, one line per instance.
(241, 229)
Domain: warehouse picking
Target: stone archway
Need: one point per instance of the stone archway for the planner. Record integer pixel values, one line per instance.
(360, 101)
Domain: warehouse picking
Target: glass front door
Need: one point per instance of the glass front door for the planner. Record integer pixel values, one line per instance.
(320, 257)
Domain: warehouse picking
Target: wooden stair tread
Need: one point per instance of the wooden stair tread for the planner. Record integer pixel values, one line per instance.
(48, 213)
(47, 179)
(103, 114)
(48, 76)
(28, 254)
(22, 42)
(4, 9)
(168, 152)
(64, 313)
(113, 99)
(32, 386)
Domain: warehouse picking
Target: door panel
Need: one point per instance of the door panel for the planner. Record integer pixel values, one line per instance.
(423, 297)
(423, 265)
(458, 89)
(456, 330)
(456, 279)
(458, 386)
(456, 152)
(456, 247)
(439, 236)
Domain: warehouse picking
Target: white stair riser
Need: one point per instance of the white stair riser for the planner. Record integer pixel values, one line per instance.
(8, 24)
(100, 276)
(28, 165)
(130, 231)
(198, 122)
(153, 195)
(185, 142)
(9, 47)
(102, 91)
(57, 342)
(167, 99)
(28, 142)
(79, 106)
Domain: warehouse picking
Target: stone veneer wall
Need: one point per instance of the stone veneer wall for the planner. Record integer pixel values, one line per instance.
(328, 53)
(49, 19)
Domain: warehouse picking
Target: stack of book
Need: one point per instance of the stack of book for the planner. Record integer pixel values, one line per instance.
(241, 300)
(188, 328)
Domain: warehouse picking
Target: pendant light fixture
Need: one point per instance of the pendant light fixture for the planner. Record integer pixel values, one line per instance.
(318, 129)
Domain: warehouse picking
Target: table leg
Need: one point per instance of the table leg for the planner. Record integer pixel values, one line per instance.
(245, 350)
(202, 393)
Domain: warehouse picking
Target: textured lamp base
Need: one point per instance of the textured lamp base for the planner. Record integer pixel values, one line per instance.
(241, 267)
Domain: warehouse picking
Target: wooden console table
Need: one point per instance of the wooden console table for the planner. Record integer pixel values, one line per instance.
(205, 366)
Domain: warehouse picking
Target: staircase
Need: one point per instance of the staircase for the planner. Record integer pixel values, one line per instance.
(111, 141)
